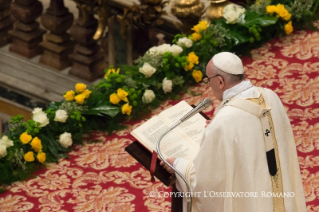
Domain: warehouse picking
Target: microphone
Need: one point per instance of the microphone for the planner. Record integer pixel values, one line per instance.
(201, 106)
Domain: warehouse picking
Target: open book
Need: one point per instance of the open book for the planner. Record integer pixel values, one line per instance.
(183, 141)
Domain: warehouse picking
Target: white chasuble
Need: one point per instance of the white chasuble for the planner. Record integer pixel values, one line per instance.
(230, 172)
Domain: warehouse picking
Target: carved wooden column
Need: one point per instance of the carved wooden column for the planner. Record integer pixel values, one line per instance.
(87, 56)
(26, 34)
(6, 21)
(57, 44)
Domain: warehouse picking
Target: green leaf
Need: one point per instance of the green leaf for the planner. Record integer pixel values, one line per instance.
(103, 108)
(238, 37)
(251, 18)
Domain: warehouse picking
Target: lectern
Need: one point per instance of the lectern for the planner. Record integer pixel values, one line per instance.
(144, 157)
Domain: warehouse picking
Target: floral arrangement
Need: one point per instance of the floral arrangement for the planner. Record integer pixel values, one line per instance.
(163, 72)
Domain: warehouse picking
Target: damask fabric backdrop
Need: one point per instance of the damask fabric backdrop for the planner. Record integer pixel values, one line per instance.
(101, 176)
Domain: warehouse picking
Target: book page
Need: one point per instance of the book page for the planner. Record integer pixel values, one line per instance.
(193, 127)
(173, 144)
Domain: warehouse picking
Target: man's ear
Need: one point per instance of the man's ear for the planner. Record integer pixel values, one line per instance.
(221, 82)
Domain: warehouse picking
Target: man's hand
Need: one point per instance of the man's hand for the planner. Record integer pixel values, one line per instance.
(207, 122)
(170, 161)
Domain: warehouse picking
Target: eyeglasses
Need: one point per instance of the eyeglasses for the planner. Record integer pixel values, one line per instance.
(207, 80)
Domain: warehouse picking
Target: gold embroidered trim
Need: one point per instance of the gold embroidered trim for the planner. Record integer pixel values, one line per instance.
(277, 186)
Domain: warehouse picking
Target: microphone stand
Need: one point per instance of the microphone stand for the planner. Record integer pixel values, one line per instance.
(202, 105)
(176, 171)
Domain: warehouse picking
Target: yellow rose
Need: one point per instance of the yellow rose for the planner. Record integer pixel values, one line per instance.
(29, 157)
(203, 25)
(80, 87)
(196, 28)
(288, 28)
(126, 109)
(197, 75)
(271, 9)
(41, 157)
(196, 36)
(87, 93)
(192, 58)
(25, 138)
(80, 98)
(111, 70)
(69, 96)
(122, 94)
(114, 99)
(285, 15)
(36, 144)
(189, 67)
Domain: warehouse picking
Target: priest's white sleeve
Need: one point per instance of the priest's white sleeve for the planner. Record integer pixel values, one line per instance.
(186, 168)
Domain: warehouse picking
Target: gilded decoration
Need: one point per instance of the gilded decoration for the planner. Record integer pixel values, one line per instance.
(215, 9)
(189, 12)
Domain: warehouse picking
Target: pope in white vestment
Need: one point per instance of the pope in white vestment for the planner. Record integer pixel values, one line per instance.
(231, 172)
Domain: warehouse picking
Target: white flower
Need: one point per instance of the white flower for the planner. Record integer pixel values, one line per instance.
(185, 41)
(42, 118)
(176, 50)
(147, 70)
(232, 12)
(6, 141)
(3, 150)
(148, 96)
(167, 85)
(153, 50)
(162, 49)
(37, 110)
(61, 116)
(65, 139)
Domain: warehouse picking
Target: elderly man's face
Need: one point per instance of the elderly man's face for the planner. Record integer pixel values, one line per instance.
(216, 82)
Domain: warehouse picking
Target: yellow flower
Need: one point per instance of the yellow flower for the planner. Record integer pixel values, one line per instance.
(114, 99)
(271, 9)
(197, 75)
(288, 28)
(189, 67)
(203, 25)
(69, 96)
(80, 98)
(126, 109)
(111, 70)
(192, 58)
(29, 156)
(80, 87)
(196, 36)
(87, 93)
(122, 94)
(41, 157)
(196, 28)
(25, 138)
(36, 144)
(284, 14)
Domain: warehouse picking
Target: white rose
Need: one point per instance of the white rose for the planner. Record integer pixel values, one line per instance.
(232, 12)
(176, 50)
(3, 150)
(41, 118)
(37, 110)
(153, 50)
(65, 139)
(185, 41)
(167, 85)
(162, 49)
(61, 116)
(148, 96)
(6, 141)
(147, 70)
